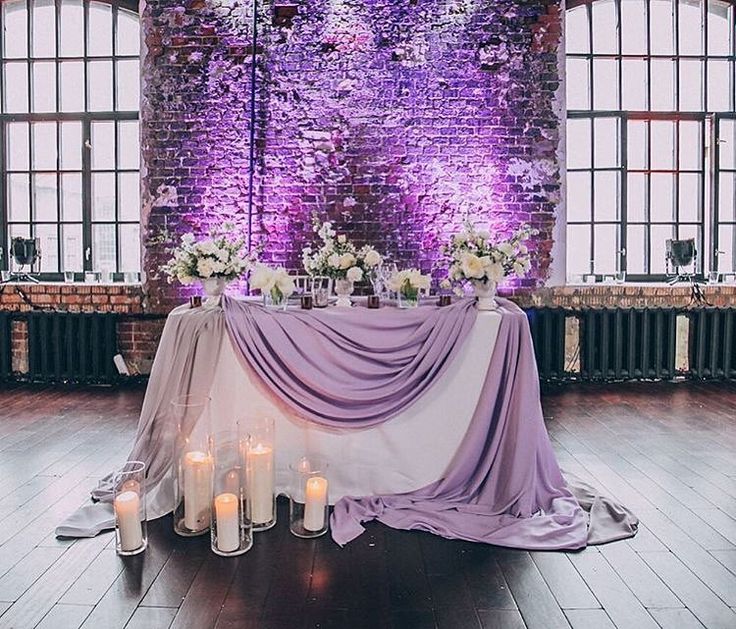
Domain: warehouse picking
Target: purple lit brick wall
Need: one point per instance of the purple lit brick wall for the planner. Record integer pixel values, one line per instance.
(393, 118)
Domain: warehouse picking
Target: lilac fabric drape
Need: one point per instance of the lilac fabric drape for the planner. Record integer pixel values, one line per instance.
(348, 367)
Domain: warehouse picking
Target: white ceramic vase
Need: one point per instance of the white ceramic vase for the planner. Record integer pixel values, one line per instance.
(214, 287)
(343, 290)
(485, 293)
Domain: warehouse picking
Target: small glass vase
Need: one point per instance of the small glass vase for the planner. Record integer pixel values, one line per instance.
(485, 293)
(231, 531)
(214, 288)
(343, 289)
(309, 506)
(192, 466)
(275, 299)
(410, 300)
(129, 503)
(261, 474)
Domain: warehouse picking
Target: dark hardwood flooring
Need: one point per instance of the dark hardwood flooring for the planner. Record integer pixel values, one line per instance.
(666, 450)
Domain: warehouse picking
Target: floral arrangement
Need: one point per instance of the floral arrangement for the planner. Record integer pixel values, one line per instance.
(475, 257)
(408, 283)
(337, 257)
(219, 255)
(276, 283)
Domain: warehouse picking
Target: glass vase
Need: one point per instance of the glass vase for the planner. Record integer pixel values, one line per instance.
(261, 474)
(192, 466)
(275, 299)
(129, 503)
(308, 498)
(231, 531)
(343, 290)
(410, 300)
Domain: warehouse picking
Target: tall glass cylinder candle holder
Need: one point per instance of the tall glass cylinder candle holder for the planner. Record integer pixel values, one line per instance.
(231, 531)
(261, 474)
(129, 502)
(308, 498)
(192, 466)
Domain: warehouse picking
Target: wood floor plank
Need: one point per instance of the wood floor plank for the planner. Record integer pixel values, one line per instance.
(589, 619)
(65, 617)
(25, 573)
(152, 618)
(92, 584)
(727, 558)
(564, 580)
(501, 619)
(676, 619)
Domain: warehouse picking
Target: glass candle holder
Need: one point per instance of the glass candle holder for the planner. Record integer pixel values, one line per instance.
(308, 498)
(192, 466)
(261, 474)
(129, 502)
(231, 531)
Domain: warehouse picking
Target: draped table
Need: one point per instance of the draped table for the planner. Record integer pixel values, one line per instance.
(430, 418)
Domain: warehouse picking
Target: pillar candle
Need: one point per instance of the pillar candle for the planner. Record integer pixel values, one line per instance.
(197, 490)
(315, 503)
(260, 483)
(127, 506)
(228, 523)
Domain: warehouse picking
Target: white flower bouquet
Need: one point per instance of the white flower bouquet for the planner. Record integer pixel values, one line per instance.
(337, 257)
(218, 256)
(276, 285)
(408, 284)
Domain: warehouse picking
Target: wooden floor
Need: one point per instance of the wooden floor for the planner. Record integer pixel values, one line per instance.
(668, 451)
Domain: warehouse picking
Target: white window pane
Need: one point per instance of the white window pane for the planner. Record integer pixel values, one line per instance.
(43, 135)
(576, 30)
(685, 232)
(99, 92)
(103, 247)
(634, 27)
(49, 242)
(44, 28)
(128, 145)
(718, 27)
(578, 143)
(72, 86)
(661, 198)
(99, 33)
(129, 196)
(720, 85)
(578, 256)
(103, 197)
(727, 244)
(103, 145)
(605, 37)
(71, 247)
(691, 28)
(15, 21)
(691, 145)
(634, 75)
(636, 253)
(662, 27)
(727, 197)
(607, 195)
(607, 142)
(659, 237)
(44, 197)
(727, 144)
(71, 145)
(130, 256)
(636, 144)
(691, 85)
(578, 84)
(663, 144)
(71, 197)
(605, 84)
(578, 197)
(636, 197)
(606, 248)
(44, 86)
(18, 149)
(128, 85)
(72, 29)
(19, 199)
(128, 34)
(663, 85)
(689, 193)
(15, 89)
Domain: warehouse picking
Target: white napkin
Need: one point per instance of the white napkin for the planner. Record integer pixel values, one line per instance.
(88, 521)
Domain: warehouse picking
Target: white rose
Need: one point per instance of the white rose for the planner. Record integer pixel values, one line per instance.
(484, 234)
(459, 239)
(223, 255)
(519, 268)
(342, 239)
(284, 282)
(204, 268)
(373, 258)
(347, 260)
(523, 249)
(494, 271)
(506, 249)
(355, 274)
(445, 284)
(262, 278)
(218, 268)
(188, 239)
(334, 260)
(471, 266)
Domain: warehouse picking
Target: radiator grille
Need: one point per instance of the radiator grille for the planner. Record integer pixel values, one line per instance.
(713, 343)
(547, 326)
(74, 347)
(6, 346)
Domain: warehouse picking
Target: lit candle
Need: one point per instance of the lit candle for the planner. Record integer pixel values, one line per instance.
(228, 523)
(260, 483)
(315, 503)
(197, 490)
(127, 506)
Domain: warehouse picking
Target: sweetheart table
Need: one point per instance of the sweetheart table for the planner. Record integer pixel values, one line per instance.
(430, 418)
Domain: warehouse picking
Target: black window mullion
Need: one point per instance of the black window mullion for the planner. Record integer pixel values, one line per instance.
(86, 195)
(622, 261)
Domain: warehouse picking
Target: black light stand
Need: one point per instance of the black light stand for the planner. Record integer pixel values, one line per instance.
(25, 252)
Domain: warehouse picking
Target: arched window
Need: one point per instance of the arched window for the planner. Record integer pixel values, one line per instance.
(69, 146)
(651, 134)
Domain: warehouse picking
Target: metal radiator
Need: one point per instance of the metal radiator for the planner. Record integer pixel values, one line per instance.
(547, 326)
(6, 347)
(72, 347)
(628, 343)
(712, 347)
